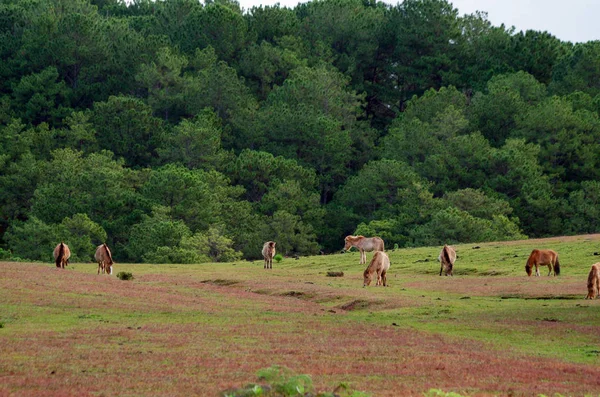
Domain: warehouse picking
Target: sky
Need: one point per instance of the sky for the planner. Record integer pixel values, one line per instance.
(569, 20)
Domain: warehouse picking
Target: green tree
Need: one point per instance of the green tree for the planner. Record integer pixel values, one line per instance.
(148, 238)
(510, 96)
(32, 239)
(126, 126)
(584, 208)
(291, 234)
(212, 245)
(578, 70)
(194, 143)
(424, 32)
(569, 140)
(40, 97)
(83, 236)
(187, 193)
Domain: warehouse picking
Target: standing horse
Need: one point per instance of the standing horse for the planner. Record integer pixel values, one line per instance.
(594, 282)
(268, 253)
(364, 244)
(447, 258)
(61, 253)
(543, 258)
(104, 259)
(379, 265)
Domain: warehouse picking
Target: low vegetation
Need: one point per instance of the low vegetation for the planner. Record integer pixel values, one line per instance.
(202, 329)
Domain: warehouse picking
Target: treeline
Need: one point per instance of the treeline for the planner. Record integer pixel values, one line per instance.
(180, 131)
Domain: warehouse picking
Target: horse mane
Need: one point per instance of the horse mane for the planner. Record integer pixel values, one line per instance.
(61, 253)
(108, 252)
(529, 264)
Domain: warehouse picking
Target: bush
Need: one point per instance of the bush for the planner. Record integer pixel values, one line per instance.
(282, 382)
(124, 276)
(278, 258)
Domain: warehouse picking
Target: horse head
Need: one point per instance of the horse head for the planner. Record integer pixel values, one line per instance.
(367, 276)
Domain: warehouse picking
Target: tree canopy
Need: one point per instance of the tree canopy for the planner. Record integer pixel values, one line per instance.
(188, 131)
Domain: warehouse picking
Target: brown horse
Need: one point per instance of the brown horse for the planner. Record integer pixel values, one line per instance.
(268, 253)
(543, 258)
(447, 258)
(61, 253)
(104, 259)
(594, 282)
(379, 265)
(363, 244)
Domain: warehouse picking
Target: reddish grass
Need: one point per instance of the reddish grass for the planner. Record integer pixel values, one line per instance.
(180, 335)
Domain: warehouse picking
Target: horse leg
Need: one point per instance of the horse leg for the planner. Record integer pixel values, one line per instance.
(549, 269)
(441, 268)
(384, 278)
(537, 270)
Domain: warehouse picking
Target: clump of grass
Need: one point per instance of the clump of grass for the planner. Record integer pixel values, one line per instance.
(124, 276)
(278, 258)
(335, 274)
(280, 381)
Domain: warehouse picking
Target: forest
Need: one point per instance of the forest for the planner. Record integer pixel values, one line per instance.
(180, 131)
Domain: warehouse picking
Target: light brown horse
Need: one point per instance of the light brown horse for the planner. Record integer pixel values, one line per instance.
(594, 282)
(379, 265)
(104, 259)
(543, 258)
(61, 253)
(447, 258)
(363, 244)
(268, 253)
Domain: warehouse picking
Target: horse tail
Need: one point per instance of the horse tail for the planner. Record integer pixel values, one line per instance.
(446, 255)
(108, 253)
(592, 282)
(557, 267)
(61, 253)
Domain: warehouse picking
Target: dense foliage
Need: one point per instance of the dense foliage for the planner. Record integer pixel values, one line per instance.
(181, 131)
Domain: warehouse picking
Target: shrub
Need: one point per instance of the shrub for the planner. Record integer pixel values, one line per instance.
(278, 258)
(282, 382)
(125, 276)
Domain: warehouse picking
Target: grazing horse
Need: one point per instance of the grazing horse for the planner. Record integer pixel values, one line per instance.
(268, 253)
(447, 258)
(543, 258)
(364, 244)
(104, 259)
(594, 282)
(62, 253)
(379, 265)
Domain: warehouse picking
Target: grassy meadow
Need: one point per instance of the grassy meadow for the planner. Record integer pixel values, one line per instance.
(183, 330)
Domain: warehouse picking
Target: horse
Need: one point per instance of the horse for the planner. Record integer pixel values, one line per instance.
(364, 244)
(543, 258)
(594, 282)
(380, 264)
(104, 259)
(447, 258)
(268, 253)
(61, 253)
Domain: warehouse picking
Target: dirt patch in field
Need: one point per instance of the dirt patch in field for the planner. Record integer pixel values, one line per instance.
(221, 282)
(357, 304)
